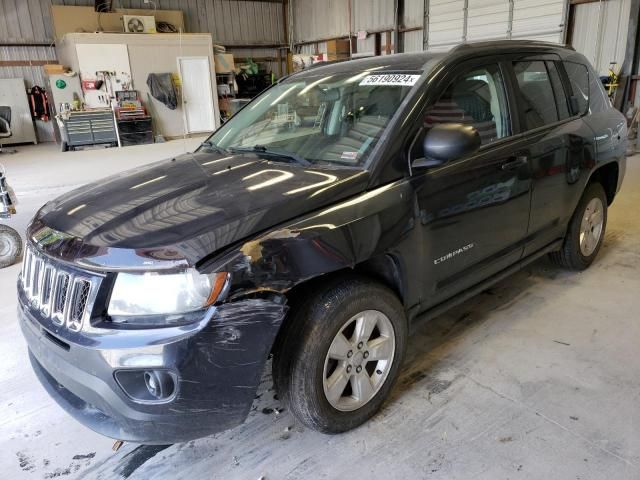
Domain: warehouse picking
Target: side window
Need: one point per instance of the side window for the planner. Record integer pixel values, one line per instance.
(536, 94)
(579, 81)
(475, 98)
(558, 91)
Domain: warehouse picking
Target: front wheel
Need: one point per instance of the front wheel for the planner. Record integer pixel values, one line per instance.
(10, 246)
(586, 231)
(341, 355)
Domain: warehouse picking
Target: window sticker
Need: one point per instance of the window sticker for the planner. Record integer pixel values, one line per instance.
(349, 156)
(400, 79)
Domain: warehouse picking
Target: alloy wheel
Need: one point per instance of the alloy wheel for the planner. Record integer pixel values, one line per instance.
(359, 360)
(591, 227)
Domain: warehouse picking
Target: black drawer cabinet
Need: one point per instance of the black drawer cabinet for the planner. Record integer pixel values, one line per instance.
(135, 131)
(90, 127)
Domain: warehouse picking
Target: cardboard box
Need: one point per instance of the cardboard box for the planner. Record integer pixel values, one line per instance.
(224, 63)
(54, 69)
(338, 47)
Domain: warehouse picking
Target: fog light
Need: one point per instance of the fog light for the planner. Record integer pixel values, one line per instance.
(152, 384)
(148, 385)
(159, 383)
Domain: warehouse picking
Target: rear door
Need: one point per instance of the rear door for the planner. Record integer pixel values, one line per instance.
(474, 210)
(559, 145)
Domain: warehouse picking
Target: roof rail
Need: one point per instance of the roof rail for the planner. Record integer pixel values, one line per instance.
(465, 45)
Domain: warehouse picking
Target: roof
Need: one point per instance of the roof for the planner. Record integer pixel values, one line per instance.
(417, 61)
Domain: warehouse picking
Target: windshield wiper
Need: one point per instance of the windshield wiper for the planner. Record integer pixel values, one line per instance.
(213, 146)
(273, 153)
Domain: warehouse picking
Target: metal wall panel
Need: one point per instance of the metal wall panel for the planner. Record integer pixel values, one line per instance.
(367, 46)
(446, 23)
(539, 19)
(487, 19)
(33, 75)
(600, 32)
(317, 20)
(413, 13)
(373, 15)
(23, 21)
(412, 41)
(453, 22)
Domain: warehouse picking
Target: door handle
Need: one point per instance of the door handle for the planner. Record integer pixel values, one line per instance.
(515, 163)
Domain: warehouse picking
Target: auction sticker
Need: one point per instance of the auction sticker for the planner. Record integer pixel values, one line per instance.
(401, 79)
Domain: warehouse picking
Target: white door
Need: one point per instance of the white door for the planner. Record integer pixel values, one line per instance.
(197, 99)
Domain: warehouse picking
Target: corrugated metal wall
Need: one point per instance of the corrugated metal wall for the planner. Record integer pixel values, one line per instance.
(449, 22)
(26, 22)
(600, 32)
(314, 20)
(539, 19)
(486, 19)
(33, 75)
(413, 17)
(373, 15)
(319, 20)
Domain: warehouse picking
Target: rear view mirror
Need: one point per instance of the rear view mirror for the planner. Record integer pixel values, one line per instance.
(329, 95)
(446, 142)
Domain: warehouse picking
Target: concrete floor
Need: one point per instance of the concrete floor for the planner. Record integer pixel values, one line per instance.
(539, 377)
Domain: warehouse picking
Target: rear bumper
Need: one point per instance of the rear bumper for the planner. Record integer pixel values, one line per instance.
(218, 366)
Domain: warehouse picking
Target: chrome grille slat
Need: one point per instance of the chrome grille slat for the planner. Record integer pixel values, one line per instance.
(61, 294)
(45, 289)
(60, 297)
(35, 281)
(27, 276)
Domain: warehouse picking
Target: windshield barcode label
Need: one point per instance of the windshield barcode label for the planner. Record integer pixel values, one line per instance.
(399, 79)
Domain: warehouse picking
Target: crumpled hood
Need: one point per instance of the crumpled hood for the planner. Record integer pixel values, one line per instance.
(189, 207)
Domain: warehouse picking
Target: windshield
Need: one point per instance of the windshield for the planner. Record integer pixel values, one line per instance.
(335, 118)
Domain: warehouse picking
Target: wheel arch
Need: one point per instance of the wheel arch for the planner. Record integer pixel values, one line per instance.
(607, 175)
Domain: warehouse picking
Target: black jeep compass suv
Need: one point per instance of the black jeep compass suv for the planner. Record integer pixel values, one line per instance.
(320, 224)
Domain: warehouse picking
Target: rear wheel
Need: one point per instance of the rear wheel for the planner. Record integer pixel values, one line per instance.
(10, 246)
(586, 231)
(341, 355)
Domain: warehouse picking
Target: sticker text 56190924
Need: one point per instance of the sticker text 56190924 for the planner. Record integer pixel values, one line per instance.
(400, 79)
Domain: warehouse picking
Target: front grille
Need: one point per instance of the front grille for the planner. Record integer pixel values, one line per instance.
(59, 293)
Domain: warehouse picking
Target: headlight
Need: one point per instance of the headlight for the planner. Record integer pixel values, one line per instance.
(154, 293)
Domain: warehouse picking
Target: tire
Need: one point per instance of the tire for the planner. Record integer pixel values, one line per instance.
(10, 246)
(580, 247)
(303, 366)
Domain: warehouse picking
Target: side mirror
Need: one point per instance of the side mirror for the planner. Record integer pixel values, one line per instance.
(446, 142)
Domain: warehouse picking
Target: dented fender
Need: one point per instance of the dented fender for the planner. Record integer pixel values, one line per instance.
(377, 222)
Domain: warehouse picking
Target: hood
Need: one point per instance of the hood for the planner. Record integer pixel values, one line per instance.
(185, 208)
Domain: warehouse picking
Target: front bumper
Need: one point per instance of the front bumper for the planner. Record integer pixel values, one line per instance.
(218, 364)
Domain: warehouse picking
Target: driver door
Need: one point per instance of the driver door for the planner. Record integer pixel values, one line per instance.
(473, 210)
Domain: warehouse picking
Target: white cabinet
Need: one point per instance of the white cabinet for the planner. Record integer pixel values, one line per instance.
(13, 93)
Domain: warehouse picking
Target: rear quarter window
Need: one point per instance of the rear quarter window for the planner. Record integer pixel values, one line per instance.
(587, 88)
(579, 80)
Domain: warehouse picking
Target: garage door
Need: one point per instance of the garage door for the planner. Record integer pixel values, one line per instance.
(539, 20)
(453, 22)
(600, 32)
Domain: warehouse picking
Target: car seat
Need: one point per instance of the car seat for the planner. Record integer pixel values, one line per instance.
(5, 126)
